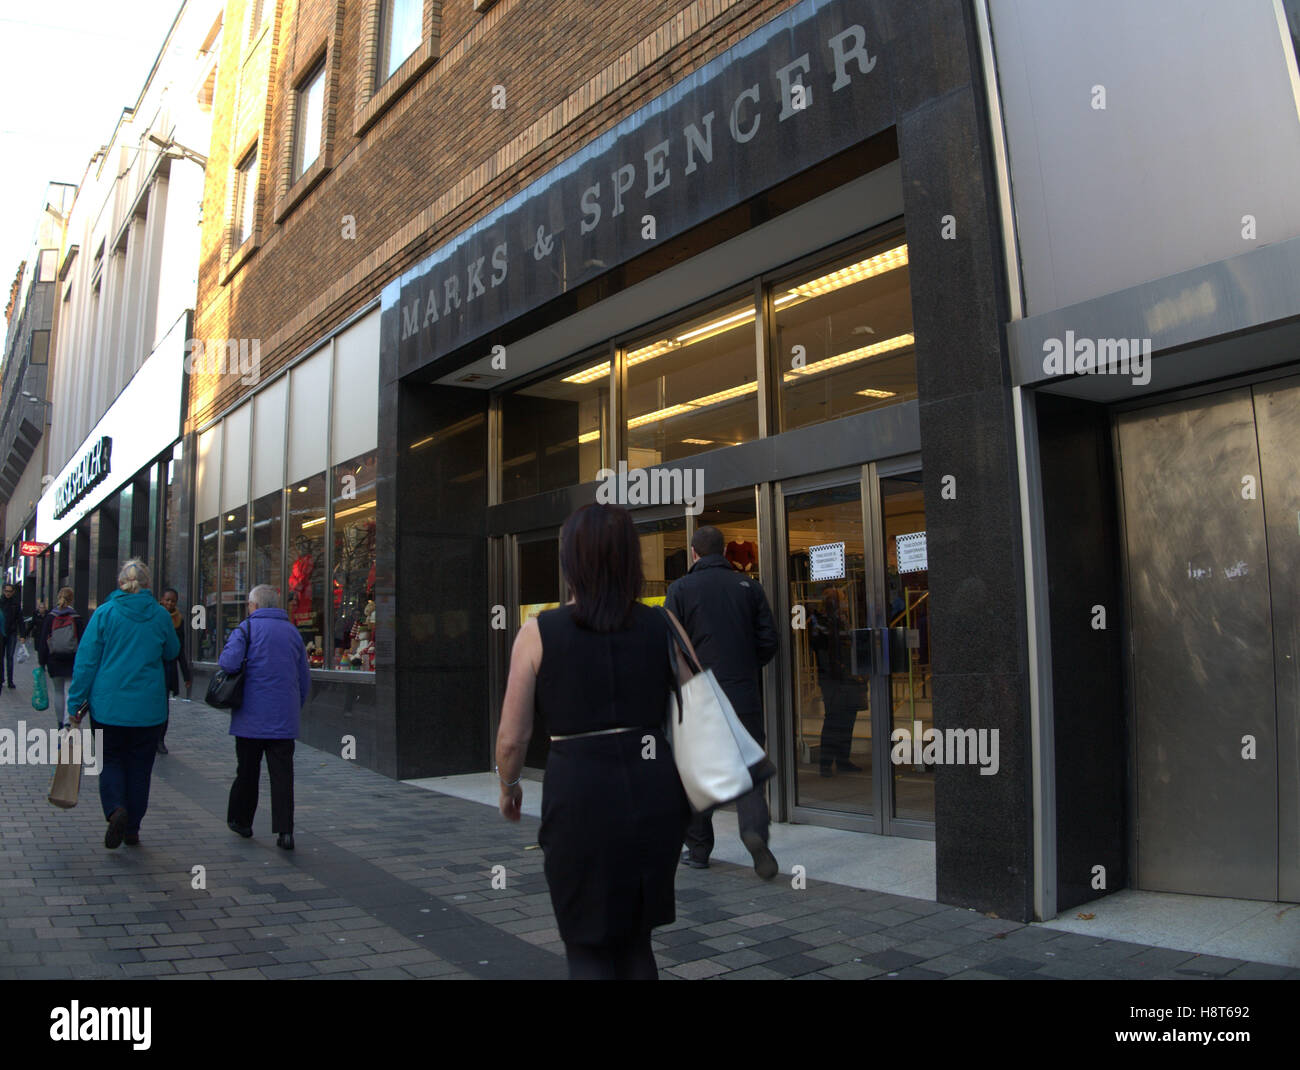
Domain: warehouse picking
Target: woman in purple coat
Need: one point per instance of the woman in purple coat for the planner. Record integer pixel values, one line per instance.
(277, 682)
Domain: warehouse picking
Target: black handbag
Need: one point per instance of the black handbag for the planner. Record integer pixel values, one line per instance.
(226, 689)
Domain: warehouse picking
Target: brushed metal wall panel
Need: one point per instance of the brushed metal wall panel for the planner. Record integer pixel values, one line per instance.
(1277, 415)
(1201, 649)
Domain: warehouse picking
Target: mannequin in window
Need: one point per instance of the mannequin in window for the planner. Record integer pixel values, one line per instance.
(742, 554)
(300, 573)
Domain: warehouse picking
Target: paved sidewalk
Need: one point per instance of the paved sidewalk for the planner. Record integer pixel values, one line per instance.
(392, 881)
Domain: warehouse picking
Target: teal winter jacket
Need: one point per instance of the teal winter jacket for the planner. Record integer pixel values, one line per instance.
(119, 664)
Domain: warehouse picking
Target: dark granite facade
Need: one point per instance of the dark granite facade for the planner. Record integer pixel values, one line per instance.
(1080, 516)
(432, 508)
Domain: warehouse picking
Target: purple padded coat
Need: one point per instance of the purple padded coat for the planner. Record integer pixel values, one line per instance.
(277, 681)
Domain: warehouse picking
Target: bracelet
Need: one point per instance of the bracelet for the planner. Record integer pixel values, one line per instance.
(507, 783)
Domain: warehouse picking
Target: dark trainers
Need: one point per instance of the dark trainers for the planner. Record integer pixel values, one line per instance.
(764, 861)
(694, 863)
(131, 839)
(243, 830)
(285, 840)
(116, 828)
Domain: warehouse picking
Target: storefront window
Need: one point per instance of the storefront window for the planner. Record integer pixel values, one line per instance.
(234, 569)
(305, 588)
(552, 431)
(693, 388)
(207, 592)
(354, 563)
(173, 559)
(266, 540)
(664, 556)
(844, 338)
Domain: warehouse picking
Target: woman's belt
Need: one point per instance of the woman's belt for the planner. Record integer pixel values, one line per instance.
(599, 732)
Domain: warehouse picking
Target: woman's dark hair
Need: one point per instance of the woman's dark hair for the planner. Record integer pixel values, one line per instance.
(601, 558)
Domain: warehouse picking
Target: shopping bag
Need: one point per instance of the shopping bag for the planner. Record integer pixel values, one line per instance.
(717, 759)
(20, 654)
(66, 784)
(40, 693)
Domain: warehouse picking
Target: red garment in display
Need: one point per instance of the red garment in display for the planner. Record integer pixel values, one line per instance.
(300, 589)
(742, 555)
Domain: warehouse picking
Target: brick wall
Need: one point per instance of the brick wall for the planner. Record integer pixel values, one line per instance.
(438, 157)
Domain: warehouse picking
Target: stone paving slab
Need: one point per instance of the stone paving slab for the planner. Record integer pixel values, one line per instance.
(391, 881)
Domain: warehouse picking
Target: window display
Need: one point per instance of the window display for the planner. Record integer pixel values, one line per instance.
(354, 563)
(305, 586)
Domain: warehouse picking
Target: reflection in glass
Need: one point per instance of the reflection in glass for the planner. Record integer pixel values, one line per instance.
(664, 555)
(551, 433)
(234, 569)
(354, 563)
(844, 338)
(693, 388)
(908, 593)
(305, 586)
(206, 595)
(831, 669)
(266, 540)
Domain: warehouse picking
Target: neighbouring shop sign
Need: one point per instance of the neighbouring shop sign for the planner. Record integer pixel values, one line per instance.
(33, 549)
(826, 562)
(912, 555)
(809, 84)
(91, 470)
(142, 422)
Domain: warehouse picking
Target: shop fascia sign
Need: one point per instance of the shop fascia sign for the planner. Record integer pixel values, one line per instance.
(807, 85)
(86, 475)
(143, 421)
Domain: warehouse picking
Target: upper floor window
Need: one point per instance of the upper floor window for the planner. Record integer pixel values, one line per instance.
(309, 114)
(401, 27)
(245, 198)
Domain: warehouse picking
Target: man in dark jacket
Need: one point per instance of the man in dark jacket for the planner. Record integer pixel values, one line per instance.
(11, 610)
(730, 624)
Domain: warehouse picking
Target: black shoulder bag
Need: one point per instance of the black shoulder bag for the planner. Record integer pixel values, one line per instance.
(226, 689)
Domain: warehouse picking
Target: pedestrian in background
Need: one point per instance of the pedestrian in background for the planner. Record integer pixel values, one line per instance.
(726, 614)
(277, 682)
(179, 667)
(119, 671)
(597, 672)
(11, 613)
(56, 649)
(32, 626)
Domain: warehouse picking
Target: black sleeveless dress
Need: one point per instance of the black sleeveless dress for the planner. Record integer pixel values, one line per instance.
(613, 817)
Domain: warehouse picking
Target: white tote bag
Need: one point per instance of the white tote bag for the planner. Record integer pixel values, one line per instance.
(717, 759)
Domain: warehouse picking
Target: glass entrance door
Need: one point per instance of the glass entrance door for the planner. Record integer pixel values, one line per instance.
(858, 660)
(827, 577)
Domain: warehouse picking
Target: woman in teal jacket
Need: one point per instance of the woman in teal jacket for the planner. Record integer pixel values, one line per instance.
(119, 670)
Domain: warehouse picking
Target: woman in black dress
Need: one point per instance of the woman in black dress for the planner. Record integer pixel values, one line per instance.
(597, 672)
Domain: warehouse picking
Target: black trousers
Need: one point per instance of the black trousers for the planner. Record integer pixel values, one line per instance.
(751, 814)
(634, 961)
(10, 642)
(243, 792)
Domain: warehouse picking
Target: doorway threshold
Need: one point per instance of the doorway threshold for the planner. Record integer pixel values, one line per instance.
(1247, 929)
(893, 864)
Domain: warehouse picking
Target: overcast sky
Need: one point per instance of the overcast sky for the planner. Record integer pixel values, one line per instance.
(67, 69)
